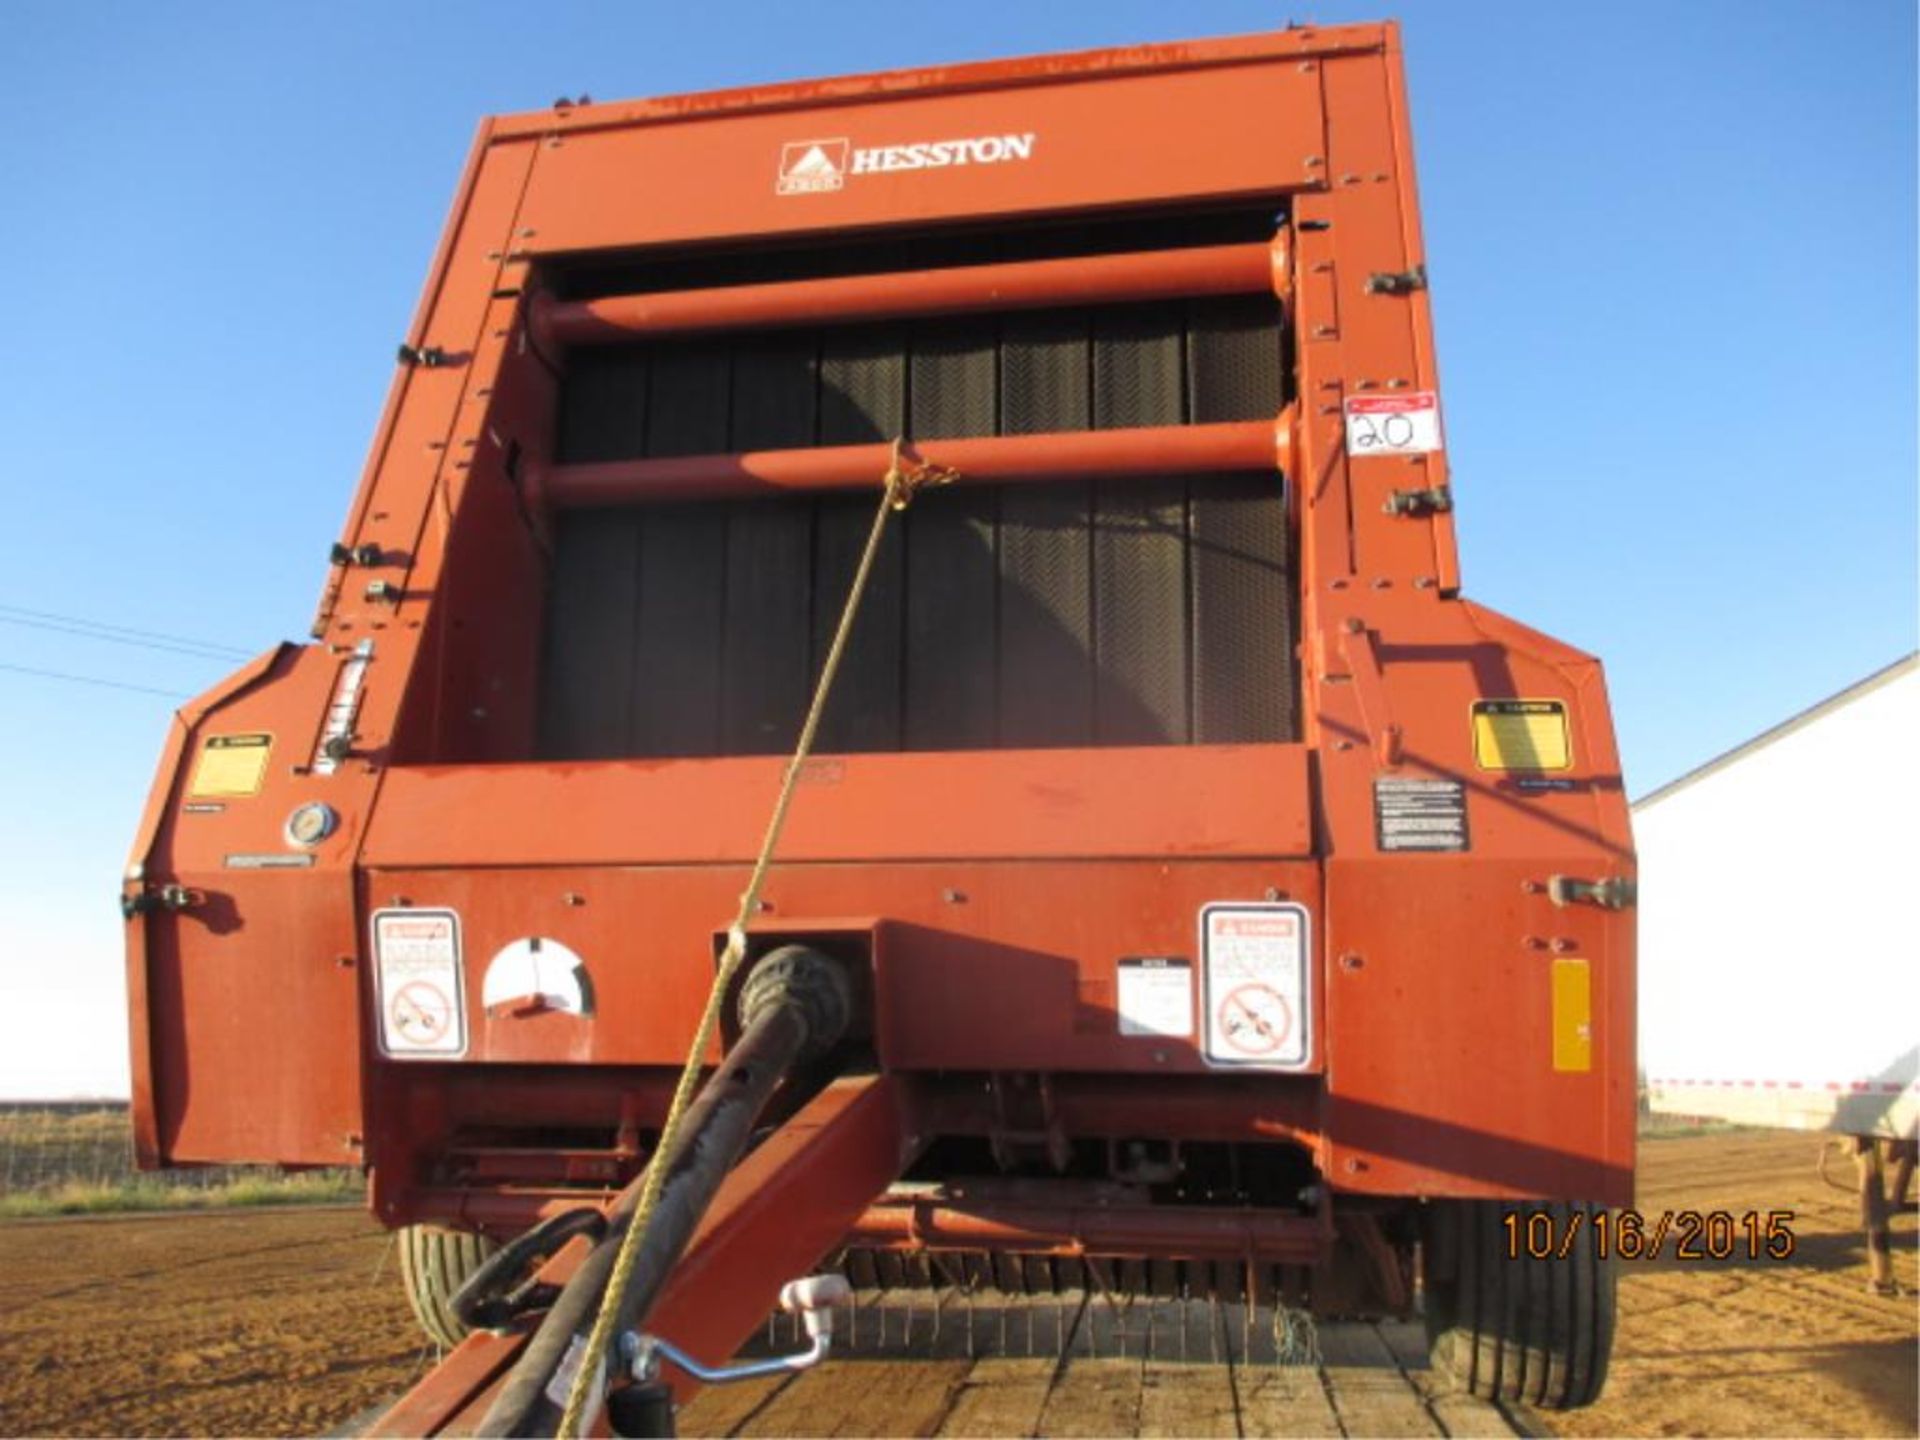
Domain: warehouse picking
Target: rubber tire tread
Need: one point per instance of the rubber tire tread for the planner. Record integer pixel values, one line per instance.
(1523, 1330)
(434, 1263)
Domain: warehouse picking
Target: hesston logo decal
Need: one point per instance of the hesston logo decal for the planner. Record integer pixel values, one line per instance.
(811, 167)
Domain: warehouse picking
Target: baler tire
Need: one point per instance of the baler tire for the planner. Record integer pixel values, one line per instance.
(1521, 1330)
(434, 1263)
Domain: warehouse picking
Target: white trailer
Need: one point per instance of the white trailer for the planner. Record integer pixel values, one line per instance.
(1779, 934)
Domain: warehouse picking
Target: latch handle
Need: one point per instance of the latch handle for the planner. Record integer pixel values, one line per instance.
(1433, 500)
(167, 897)
(1397, 282)
(1616, 892)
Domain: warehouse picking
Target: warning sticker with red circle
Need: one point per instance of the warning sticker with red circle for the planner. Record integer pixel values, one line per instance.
(417, 983)
(1254, 962)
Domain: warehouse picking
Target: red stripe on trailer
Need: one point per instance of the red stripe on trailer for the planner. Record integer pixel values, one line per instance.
(1884, 1087)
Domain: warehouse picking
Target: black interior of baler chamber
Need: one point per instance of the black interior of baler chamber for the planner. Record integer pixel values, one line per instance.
(1123, 612)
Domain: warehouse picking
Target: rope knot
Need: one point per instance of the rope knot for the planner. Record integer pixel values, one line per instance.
(907, 477)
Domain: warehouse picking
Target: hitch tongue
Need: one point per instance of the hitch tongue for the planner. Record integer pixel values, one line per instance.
(794, 1007)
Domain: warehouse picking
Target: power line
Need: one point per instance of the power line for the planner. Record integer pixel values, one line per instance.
(192, 648)
(89, 680)
(119, 634)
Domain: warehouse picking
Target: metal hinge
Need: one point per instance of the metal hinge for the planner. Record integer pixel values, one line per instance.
(1397, 282)
(1435, 500)
(427, 357)
(344, 556)
(167, 897)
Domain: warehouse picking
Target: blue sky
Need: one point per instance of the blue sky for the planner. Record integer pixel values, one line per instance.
(1673, 250)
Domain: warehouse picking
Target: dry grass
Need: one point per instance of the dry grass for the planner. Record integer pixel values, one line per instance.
(77, 1158)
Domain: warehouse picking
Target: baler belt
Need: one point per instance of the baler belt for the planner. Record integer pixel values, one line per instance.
(904, 479)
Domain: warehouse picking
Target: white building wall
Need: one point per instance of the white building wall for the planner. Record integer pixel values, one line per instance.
(1780, 925)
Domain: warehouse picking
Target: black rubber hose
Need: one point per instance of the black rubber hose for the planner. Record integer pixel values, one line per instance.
(784, 1022)
(490, 1300)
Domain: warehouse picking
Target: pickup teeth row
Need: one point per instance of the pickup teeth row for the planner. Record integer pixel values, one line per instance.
(1201, 1324)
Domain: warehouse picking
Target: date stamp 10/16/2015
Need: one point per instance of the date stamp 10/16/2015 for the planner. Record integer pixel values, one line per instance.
(1703, 1235)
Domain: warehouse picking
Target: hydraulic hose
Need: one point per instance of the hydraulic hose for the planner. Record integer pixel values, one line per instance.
(796, 1006)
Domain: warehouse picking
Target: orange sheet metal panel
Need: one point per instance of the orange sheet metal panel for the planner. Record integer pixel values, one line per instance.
(978, 964)
(1163, 803)
(1103, 141)
(1446, 1077)
(1440, 1002)
(264, 962)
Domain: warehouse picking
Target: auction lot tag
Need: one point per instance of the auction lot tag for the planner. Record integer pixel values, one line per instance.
(1403, 424)
(416, 968)
(1254, 960)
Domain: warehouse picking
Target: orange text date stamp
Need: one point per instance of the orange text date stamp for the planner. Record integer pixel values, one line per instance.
(1669, 1234)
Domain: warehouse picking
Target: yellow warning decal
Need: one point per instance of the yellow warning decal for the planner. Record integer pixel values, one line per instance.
(231, 765)
(1572, 1015)
(1521, 735)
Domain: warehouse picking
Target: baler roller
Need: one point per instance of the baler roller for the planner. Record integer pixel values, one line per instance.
(1187, 1232)
(902, 295)
(1126, 454)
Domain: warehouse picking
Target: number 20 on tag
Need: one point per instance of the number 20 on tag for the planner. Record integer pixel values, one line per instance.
(1407, 424)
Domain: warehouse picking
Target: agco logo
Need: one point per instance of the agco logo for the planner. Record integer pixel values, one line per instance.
(812, 167)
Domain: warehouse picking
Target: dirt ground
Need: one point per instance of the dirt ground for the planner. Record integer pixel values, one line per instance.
(292, 1322)
(246, 1322)
(1761, 1347)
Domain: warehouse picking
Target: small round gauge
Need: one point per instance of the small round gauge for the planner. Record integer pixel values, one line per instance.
(311, 823)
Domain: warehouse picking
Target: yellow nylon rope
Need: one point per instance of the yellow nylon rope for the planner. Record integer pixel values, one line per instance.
(903, 480)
